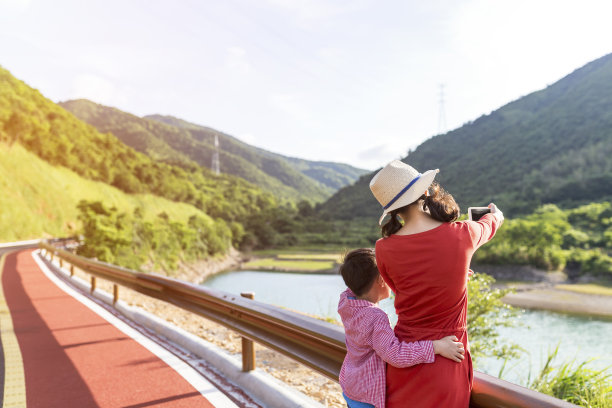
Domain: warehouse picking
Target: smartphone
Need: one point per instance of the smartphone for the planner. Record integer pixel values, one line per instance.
(475, 213)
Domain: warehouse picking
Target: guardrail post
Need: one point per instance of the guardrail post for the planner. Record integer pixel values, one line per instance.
(71, 270)
(93, 284)
(115, 293)
(248, 348)
(61, 262)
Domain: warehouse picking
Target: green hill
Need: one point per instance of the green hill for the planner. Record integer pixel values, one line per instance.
(39, 199)
(29, 119)
(551, 146)
(330, 174)
(172, 139)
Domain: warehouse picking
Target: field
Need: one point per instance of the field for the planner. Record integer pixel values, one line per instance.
(295, 260)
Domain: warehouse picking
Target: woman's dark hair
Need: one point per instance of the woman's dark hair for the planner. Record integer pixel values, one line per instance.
(359, 270)
(440, 204)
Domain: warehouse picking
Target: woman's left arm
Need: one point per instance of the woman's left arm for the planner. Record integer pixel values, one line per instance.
(483, 230)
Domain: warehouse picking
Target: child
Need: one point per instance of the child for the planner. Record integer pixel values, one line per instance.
(370, 341)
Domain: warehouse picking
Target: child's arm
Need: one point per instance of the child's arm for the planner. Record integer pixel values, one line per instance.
(395, 352)
(401, 354)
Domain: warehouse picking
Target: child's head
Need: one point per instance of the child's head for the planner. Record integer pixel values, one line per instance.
(360, 273)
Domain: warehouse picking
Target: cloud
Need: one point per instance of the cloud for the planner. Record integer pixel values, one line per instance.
(97, 89)
(307, 12)
(379, 155)
(309, 9)
(247, 138)
(14, 6)
(289, 104)
(100, 62)
(237, 61)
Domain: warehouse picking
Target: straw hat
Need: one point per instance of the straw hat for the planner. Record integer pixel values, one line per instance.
(398, 184)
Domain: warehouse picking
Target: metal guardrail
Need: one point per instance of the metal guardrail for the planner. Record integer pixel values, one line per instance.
(317, 344)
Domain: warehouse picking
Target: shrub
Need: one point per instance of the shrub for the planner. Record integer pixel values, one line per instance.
(130, 241)
(487, 312)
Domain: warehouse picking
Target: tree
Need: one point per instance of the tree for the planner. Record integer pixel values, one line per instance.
(107, 233)
(305, 208)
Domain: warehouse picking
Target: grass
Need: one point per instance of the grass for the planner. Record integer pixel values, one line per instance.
(588, 288)
(575, 383)
(290, 265)
(39, 200)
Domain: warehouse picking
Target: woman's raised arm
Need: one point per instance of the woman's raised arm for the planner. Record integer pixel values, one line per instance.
(484, 229)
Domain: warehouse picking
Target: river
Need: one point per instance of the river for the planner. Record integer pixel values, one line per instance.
(538, 332)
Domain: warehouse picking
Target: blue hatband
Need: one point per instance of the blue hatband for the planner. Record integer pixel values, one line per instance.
(394, 199)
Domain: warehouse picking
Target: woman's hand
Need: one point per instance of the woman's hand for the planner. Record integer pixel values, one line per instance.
(496, 211)
(449, 347)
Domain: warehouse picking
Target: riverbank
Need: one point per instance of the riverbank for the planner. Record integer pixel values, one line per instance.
(199, 271)
(562, 301)
(543, 290)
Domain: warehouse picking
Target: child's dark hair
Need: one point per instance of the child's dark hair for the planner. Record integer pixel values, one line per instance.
(359, 270)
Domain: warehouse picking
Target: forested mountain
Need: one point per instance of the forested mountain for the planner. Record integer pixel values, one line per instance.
(551, 146)
(55, 135)
(172, 139)
(331, 174)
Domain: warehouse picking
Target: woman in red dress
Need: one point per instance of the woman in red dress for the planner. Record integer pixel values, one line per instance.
(426, 262)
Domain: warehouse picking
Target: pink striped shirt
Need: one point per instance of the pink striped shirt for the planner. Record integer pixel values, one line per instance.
(370, 343)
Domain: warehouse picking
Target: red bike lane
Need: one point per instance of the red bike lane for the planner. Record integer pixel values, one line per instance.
(72, 357)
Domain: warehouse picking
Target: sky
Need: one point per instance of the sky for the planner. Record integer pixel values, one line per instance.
(357, 81)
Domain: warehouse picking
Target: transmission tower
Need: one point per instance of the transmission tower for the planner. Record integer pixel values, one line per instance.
(215, 167)
(441, 112)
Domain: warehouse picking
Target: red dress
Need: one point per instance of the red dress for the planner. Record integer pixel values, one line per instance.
(427, 272)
